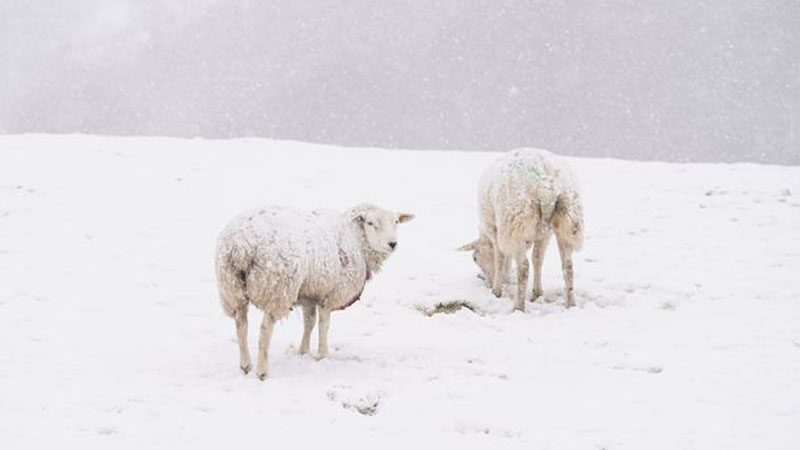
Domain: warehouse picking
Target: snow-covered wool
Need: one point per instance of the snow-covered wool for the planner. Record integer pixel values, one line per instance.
(523, 197)
(277, 257)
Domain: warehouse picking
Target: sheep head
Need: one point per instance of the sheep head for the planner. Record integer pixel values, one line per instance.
(483, 255)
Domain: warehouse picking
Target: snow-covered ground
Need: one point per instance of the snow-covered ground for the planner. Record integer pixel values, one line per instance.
(686, 334)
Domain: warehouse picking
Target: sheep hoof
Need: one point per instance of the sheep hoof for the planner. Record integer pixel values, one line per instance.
(262, 376)
(246, 368)
(497, 292)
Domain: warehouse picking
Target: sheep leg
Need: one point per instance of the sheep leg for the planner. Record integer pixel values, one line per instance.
(240, 316)
(522, 279)
(309, 320)
(539, 250)
(324, 323)
(567, 269)
(267, 324)
(500, 272)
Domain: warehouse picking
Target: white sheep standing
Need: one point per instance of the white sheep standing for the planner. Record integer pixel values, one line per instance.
(523, 197)
(278, 257)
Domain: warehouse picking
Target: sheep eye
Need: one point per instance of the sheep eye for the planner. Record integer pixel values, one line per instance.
(371, 224)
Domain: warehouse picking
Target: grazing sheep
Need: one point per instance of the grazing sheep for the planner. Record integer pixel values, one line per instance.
(276, 258)
(523, 197)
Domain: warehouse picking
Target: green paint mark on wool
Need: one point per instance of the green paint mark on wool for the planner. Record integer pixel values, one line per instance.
(533, 173)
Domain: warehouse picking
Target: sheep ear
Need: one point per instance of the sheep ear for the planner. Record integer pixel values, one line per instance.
(404, 217)
(467, 247)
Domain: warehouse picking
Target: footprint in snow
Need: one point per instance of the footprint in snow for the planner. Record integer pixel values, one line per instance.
(106, 431)
(651, 369)
(365, 403)
(468, 428)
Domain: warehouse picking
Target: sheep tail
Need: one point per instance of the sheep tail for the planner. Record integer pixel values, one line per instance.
(568, 219)
(548, 198)
(232, 274)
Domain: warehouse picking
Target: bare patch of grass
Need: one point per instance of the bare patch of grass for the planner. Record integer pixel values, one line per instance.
(448, 307)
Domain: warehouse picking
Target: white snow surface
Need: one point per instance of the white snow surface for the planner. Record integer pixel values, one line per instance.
(686, 334)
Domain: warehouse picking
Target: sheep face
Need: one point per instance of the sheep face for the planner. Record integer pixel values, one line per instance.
(380, 227)
(483, 255)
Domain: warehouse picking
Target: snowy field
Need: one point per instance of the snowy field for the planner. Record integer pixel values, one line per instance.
(686, 334)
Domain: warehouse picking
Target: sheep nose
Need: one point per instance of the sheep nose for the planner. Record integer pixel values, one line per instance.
(393, 244)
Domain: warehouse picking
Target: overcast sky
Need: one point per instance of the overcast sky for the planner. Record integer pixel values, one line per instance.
(679, 80)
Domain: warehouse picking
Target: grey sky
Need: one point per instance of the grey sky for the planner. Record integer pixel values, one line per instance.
(678, 80)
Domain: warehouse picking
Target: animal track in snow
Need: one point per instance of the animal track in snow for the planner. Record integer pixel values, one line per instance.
(364, 403)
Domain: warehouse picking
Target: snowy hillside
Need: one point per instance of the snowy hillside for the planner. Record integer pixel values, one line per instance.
(686, 334)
